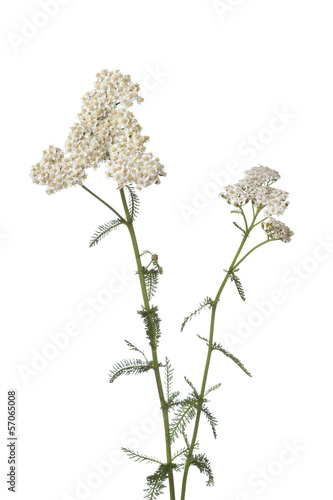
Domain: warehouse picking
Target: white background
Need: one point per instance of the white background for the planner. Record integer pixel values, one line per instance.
(214, 77)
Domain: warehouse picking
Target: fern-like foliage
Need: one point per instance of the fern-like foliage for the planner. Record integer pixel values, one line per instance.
(203, 464)
(152, 275)
(207, 302)
(218, 347)
(239, 227)
(138, 457)
(195, 392)
(181, 452)
(214, 388)
(134, 203)
(168, 377)
(155, 482)
(151, 280)
(103, 231)
(211, 419)
(130, 367)
(145, 252)
(239, 286)
(203, 338)
(134, 348)
(185, 411)
(152, 322)
(171, 397)
(235, 212)
(185, 437)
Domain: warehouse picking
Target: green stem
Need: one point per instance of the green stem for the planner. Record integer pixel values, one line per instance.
(106, 204)
(210, 350)
(260, 222)
(254, 248)
(153, 349)
(245, 220)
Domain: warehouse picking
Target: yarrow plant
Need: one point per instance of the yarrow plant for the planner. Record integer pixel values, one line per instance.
(107, 134)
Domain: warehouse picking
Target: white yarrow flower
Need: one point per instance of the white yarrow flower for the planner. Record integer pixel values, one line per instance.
(58, 172)
(261, 175)
(105, 132)
(277, 230)
(273, 200)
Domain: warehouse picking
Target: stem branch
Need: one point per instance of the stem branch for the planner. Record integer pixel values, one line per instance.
(104, 203)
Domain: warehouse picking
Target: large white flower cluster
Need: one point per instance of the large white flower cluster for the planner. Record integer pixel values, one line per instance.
(277, 230)
(105, 132)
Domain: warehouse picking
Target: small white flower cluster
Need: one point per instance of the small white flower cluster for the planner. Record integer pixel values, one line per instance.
(261, 175)
(255, 188)
(274, 200)
(277, 230)
(58, 172)
(236, 195)
(106, 132)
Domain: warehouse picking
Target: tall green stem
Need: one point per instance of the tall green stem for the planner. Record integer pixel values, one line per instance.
(153, 348)
(210, 350)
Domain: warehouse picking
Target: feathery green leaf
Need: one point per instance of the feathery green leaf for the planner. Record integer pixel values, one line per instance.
(129, 367)
(211, 419)
(151, 276)
(203, 338)
(203, 464)
(238, 284)
(195, 392)
(133, 348)
(171, 397)
(184, 413)
(218, 347)
(103, 231)
(181, 452)
(207, 302)
(214, 388)
(152, 322)
(239, 227)
(134, 203)
(138, 457)
(151, 279)
(155, 482)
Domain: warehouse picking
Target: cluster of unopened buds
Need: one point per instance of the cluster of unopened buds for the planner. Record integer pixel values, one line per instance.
(256, 188)
(105, 132)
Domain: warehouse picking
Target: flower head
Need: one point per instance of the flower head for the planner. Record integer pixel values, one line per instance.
(105, 132)
(273, 200)
(261, 175)
(58, 172)
(255, 187)
(236, 195)
(277, 230)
